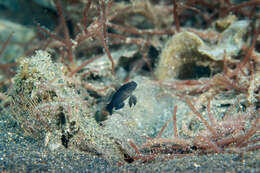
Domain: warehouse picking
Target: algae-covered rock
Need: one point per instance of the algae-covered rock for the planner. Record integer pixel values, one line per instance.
(231, 42)
(186, 52)
(180, 55)
(43, 101)
(48, 107)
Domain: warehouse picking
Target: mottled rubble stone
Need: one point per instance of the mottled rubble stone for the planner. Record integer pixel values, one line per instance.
(186, 51)
(181, 50)
(223, 23)
(231, 42)
(47, 105)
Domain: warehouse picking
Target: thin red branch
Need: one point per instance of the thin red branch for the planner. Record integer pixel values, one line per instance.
(101, 37)
(66, 30)
(54, 36)
(250, 132)
(225, 67)
(6, 43)
(194, 110)
(175, 16)
(132, 144)
(211, 118)
(83, 65)
(231, 84)
(227, 114)
(104, 18)
(205, 142)
(242, 5)
(174, 121)
(85, 16)
(249, 52)
(7, 66)
(163, 128)
(250, 142)
(252, 12)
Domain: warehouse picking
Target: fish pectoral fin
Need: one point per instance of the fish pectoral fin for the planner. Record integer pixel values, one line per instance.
(109, 108)
(132, 100)
(119, 106)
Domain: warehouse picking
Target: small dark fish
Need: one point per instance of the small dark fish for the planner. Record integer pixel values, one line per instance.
(121, 95)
